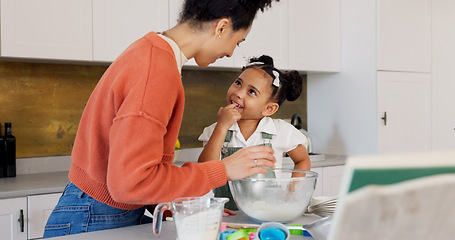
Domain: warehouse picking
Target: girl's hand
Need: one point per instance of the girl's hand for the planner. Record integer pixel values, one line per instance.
(227, 116)
(228, 212)
(248, 161)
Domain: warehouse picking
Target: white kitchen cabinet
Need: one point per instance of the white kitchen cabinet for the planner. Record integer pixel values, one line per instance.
(318, 191)
(46, 29)
(329, 180)
(314, 35)
(35, 211)
(345, 110)
(118, 23)
(11, 211)
(39, 209)
(332, 177)
(404, 35)
(443, 76)
(268, 36)
(404, 101)
(299, 34)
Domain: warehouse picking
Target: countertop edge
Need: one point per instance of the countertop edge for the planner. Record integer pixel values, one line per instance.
(33, 184)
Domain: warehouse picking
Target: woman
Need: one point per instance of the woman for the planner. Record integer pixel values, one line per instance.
(123, 151)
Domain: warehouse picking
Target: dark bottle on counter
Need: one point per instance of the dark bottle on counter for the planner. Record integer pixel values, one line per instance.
(10, 151)
(2, 156)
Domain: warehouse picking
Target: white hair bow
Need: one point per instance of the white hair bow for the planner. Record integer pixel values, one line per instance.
(254, 64)
(276, 82)
(276, 74)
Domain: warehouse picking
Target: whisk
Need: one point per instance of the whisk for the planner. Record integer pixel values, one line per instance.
(324, 208)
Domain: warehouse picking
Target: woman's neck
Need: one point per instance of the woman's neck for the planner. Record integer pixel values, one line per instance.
(248, 127)
(187, 38)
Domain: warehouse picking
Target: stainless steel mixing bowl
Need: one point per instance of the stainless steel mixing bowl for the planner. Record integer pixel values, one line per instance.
(281, 195)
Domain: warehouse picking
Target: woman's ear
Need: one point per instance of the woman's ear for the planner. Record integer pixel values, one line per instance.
(221, 26)
(270, 109)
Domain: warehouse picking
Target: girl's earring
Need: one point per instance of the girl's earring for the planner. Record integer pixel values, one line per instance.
(219, 36)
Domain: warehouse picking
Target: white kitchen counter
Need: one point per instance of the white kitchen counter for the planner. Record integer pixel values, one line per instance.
(32, 184)
(326, 161)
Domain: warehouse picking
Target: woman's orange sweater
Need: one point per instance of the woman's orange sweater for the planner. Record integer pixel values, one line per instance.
(124, 147)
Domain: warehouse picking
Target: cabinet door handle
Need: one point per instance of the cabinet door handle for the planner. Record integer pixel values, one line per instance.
(21, 220)
(384, 118)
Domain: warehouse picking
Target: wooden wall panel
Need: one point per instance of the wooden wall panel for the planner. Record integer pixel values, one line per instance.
(44, 102)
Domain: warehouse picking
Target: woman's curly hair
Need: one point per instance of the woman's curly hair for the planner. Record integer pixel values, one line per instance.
(240, 12)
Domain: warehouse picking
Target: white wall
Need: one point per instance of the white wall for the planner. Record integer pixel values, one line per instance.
(342, 107)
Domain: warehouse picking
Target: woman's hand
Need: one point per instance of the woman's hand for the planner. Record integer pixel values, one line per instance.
(248, 161)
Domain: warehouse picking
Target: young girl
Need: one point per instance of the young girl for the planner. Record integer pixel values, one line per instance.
(253, 97)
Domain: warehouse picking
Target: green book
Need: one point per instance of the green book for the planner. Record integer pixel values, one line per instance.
(361, 171)
(400, 196)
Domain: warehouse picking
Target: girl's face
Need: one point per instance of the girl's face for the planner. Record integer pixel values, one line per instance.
(219, 47)
(251, 93)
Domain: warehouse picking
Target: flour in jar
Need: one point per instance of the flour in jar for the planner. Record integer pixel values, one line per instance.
(265, 211)
(203, 225)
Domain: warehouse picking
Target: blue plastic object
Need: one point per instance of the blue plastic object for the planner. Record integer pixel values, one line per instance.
(272, 234)
(306, 234)
(223, 235)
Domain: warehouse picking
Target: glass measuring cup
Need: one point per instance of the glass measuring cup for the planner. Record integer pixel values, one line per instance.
(194, 217)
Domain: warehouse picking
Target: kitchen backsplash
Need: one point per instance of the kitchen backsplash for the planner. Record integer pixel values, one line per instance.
(44, 102)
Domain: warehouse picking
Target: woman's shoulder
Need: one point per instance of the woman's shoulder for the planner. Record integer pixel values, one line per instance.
(144, 45)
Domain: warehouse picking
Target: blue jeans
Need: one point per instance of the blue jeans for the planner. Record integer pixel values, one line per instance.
(77, 212)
